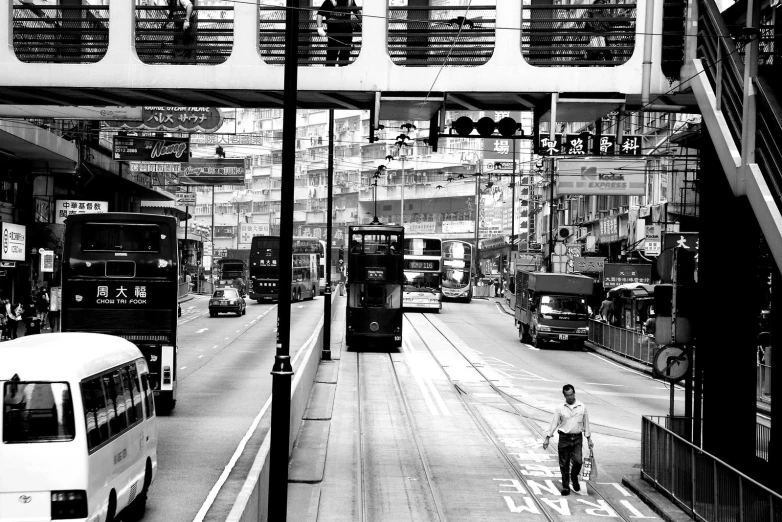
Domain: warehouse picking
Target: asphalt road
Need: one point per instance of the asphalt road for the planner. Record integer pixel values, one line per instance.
(224, 381)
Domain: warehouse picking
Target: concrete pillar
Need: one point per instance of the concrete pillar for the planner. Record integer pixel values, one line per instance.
(726, 348)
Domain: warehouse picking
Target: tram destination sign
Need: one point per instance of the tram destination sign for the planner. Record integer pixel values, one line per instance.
(169, 150)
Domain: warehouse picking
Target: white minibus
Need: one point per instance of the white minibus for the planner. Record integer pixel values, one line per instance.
(79, 435)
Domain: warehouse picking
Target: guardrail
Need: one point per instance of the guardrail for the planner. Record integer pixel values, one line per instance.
(595, 35)
(436, 36)
(632, 344)
(701, 484)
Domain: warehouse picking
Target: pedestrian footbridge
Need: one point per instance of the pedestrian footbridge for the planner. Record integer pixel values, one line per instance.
(127, 53)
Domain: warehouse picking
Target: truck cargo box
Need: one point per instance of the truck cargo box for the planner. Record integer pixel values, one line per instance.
(550, 283)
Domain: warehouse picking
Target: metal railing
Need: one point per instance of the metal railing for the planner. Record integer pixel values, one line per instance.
(632, 344)
(564, 35)
(709, 489)
(441, 36)
(60, 34)
(159, 41)
(768, 142)
(722, 64)
(314, 50)
(764, 382)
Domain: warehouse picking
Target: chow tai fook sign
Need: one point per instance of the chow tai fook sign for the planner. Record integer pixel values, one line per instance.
(167, 150)
(68, 207)
(602, 177)
(13, 242)
(617, 274)
(176, 119)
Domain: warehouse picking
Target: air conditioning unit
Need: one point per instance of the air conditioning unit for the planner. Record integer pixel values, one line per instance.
(564, 233)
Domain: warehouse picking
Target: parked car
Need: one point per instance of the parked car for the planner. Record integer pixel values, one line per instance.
(227, 300)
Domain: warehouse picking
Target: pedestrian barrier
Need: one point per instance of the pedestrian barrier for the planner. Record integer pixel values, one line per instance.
(184, 289)
(632, 344)
(701, 484)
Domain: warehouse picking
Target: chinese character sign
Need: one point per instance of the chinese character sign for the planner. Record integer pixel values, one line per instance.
(68, 207)
(171, 119)
(14, 237)
(248, 230)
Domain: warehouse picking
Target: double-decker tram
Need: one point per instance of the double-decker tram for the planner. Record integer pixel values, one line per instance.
(265, 272)
(423, 272)
(457, 270)
(120, 276)
(375, 281)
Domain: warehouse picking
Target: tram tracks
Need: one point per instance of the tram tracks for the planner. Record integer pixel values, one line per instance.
(468, 401)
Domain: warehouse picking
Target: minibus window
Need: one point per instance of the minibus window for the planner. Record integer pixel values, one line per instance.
(115, 400)
(129, 410)
(95, 413)
(148, 400)
(37, 412)
(131, 377)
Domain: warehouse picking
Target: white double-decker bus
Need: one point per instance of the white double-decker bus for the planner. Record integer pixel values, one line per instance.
(457, 270)
(423, 273)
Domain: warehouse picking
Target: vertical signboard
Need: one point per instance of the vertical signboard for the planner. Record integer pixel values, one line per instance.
(653, 242)
(13, 242)
(47, 260)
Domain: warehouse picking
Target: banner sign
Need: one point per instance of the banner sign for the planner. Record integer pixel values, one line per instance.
(13, 241)
(47, 260)
(588, 264)
(248, 230)
(458, 227)
(176, 119)
(185, 198)
(424, 227)
(586, 143)
(616, 274)
(609, 230)
(602, 177)
(68, 207)
(169, 150)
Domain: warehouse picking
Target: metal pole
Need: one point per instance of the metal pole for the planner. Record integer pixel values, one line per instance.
(513, 202)
(237, 223)
(402, 214)
(212, 267)
(282, 371)
(325, 353)
(476, 259)
(551, 217)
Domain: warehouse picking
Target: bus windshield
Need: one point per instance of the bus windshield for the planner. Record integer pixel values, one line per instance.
(417, 246)
(422, 282)
(562, 304)
(113, 237)
(37, 412)
(456, 278)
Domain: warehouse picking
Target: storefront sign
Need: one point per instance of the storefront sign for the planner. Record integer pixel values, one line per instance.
(13, 241)
(653, 241)
(494, 242)
(609, 230)
(185, 198)
(208, 246)
(458, 227)
(588, 264)
(68, 207)
(220, 252)
(168, 150)
(624, 177)
(47, 260)
(175, 119)
(213, 172)
(248, 230)
(424, 227)
(616, 274)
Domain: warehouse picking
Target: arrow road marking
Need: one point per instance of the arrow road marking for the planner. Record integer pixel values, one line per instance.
(202, 330)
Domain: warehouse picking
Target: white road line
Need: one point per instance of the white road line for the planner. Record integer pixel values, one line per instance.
(619, 365)
(183, 367)
(237, 331)
(606, 384)
(200, 356)
(409, 352)
(227, 337)
(215, 346)
(251, 322)
(301, 306)
(532, 348)
(210, 498)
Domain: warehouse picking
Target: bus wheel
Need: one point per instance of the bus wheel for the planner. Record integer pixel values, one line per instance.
(112, 509)
(135, 511)
(298, 294)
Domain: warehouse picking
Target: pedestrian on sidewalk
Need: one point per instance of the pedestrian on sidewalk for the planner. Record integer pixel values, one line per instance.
(570, 421)
(13, 314)
(42, 306)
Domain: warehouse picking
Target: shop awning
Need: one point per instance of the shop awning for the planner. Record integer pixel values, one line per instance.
(166, 207)
(633, 290)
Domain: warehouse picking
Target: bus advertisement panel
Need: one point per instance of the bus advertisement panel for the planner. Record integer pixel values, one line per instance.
(423, 269)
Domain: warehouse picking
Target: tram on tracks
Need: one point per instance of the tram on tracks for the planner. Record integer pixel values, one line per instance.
(375, 281)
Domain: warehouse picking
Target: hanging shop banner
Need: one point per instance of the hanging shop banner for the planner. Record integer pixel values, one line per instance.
(213, 172)
(609, 230)
(248, 230)
(176, 119)
(68, 207)
(424, 227)
(602, 177)
(458, 227)
(13, 241)
(70, 113)
(185, 198)
(616, 274)
(653, 240)
(134, 148)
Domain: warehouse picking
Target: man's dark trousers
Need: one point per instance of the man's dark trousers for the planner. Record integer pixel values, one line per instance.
(569, 449)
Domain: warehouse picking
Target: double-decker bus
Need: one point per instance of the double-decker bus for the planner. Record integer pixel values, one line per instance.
(265, 274)
(120, 276)
(423, 272)
(232, 274)
(457, 270)
(322, 267)
(375, 283)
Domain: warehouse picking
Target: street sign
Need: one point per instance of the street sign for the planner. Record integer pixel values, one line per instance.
(220, 252)
(185, 198)
(617, 274)
(133, 148)
(588, 264)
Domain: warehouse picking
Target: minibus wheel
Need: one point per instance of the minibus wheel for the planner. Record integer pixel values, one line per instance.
(112, 510)
(135, 511)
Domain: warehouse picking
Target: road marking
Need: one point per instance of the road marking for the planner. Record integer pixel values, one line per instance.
(251, 322)
(202, 330)
(408, 351)
(237, 331)
(183, 367)
(200, 356)
(228, 337)
(210, 498)
(532, 348)
(606, 384)
(301, 306)
(215, 346)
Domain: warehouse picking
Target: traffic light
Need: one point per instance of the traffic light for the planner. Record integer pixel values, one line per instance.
(341, 261)
(434, 131)
(486, 126)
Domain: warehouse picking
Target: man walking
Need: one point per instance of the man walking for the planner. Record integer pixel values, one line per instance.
(570, 419)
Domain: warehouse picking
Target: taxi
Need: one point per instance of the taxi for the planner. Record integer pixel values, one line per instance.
(227, 300)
